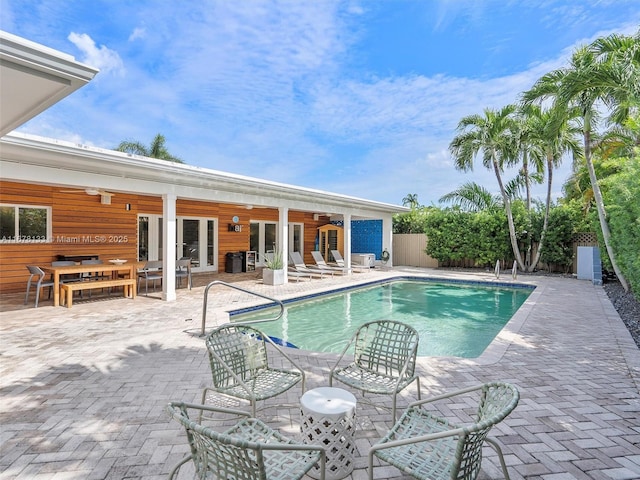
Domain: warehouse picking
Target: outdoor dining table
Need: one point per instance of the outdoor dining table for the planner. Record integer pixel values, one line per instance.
(129, 268)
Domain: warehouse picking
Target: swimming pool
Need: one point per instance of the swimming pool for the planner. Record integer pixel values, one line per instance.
(452, 319)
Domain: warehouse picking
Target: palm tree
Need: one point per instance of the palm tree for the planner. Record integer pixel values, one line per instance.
(552, 136)
(526, 126)
(618, 71)
(157, 149)
(571, 87)
(472, 197)
(524, 131)
(620, 141)
(493, 134)
(411, 200)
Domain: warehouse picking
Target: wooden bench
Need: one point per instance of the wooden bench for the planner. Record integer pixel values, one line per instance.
(67, 289)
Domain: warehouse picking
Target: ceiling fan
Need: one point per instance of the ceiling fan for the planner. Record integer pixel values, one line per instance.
(105, 196)
(90, 191)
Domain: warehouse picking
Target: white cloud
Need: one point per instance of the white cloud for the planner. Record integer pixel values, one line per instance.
(101, 58)
(138, 33)
(275, 89)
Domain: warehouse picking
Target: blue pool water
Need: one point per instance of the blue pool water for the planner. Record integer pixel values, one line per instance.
(452, 319)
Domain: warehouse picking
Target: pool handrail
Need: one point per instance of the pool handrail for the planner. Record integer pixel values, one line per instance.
(250, 292)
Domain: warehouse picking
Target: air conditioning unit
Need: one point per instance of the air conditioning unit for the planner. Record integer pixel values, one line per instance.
(364, 259)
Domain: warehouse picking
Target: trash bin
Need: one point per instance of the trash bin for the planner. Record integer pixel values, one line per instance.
(233, 262)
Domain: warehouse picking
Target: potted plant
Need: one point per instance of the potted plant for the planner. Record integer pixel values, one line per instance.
(273, 271)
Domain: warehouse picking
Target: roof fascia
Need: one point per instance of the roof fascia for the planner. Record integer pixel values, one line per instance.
(35, 77)
(117, 170)
(25, 52)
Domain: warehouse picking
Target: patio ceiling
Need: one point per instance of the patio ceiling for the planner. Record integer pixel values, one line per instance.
(33, 78)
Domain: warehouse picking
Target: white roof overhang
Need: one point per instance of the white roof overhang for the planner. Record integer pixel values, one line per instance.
(28, 158)
(33, 78)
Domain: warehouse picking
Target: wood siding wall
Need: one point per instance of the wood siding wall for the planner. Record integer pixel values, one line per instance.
(82, 225)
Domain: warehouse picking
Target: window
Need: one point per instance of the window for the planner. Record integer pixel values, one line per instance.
(24, 224)
(296, 237)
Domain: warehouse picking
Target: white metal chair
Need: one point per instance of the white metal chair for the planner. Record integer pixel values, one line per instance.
(248, 450)
(384, 359)
(427, 446)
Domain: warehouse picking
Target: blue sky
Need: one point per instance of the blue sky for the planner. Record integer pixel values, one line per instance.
(353, 97)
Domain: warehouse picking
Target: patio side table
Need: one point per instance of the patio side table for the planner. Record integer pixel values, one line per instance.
(328, 418)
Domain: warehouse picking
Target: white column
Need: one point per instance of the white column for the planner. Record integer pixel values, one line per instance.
(283, 222)
(169, 238)
(347, 240)
(387, 237)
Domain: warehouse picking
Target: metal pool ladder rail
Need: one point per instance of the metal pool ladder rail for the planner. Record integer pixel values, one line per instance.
(220, 282)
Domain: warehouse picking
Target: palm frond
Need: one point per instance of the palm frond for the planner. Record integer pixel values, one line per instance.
(472, 197)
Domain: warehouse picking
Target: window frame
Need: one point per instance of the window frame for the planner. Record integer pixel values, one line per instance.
(18, 238)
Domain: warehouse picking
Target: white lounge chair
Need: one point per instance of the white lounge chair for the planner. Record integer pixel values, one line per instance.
(322, 265)
(300, 267)
(337, 256)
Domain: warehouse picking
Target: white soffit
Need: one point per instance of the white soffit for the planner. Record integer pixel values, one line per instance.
(33, 78)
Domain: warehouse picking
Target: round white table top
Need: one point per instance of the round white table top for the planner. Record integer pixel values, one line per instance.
(328, 401)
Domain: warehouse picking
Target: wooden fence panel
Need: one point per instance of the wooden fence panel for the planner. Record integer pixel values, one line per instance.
(408, 250)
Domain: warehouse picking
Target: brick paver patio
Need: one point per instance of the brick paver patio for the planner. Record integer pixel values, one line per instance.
(84, 390)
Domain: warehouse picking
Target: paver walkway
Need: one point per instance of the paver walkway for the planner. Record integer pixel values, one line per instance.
(84, 390)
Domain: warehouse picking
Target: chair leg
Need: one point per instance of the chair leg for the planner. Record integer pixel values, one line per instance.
(177, 467)
(38, 287)
(26, 297)
(393, 408)
(493, 444)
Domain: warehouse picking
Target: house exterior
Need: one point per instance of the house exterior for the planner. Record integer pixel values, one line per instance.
(59, 199)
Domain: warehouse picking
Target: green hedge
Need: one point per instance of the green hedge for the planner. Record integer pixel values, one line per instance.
(621, 194)
(454, 236)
